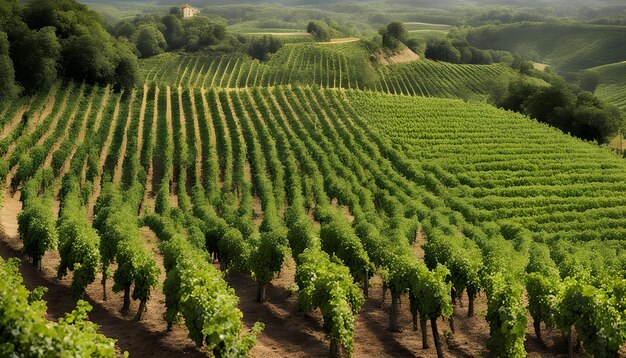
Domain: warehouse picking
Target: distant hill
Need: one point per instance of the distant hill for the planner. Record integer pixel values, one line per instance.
(567, 47)
(612, 88)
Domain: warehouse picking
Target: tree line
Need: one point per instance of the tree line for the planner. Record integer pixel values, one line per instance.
(42, 41)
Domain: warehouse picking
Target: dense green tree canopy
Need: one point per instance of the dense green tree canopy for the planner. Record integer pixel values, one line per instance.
(50, 39)
(260, 48)
(8, 88)
(394, 35)
(149, 41)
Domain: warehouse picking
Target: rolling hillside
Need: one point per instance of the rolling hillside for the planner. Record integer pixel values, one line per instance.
(480, 186)
(612, 87)
(569, 48)
(343, 65)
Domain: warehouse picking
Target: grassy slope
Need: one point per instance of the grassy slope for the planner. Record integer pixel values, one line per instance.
(568, 47)
(612, 88)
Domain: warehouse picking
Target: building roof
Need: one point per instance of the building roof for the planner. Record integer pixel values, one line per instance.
(184, 6)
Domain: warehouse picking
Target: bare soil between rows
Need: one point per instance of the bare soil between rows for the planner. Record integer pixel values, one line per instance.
(288, 332)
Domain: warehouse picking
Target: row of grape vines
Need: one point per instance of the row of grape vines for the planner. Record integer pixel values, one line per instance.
(343, 66)
(561, 203)
(438, 79)
(611, 86)
(345, 180)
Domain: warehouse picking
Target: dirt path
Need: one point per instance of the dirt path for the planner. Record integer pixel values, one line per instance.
(147, 338)
(210, 121)
(170, 128)
(55, 120)
(117, 175)
(182, 124)
(405, 55)
(44, 112)
(227, 134)
(97, 185)
(173, 199)
(103, 104)
(342, 40)
(295, 33)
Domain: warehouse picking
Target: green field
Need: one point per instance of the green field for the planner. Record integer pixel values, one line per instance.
(612, 87)
(344, 199)
(439, 79)
(483, 184)
(568, 47)
(332, 65)
(426, 27)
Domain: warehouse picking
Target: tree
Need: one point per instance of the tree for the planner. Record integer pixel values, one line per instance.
(442, 50)
(78, 248)
(394, 35)
(176, 11)
(88, 52)
(267, 260)
(319, 30)
(201, 32)
(174, 32)
(149, 41)
(589, 80)
(8, 87)
(35, 56)
(326, 284)
(430, 295)
(338, 238)
(397, 277)
(506, 315)
(85, 58)
(234, 251)
(261, 47)
(125, 28)
(127, 69)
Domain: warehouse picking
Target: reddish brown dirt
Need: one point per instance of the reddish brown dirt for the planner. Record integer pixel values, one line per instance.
(287, 331)
(143, 339)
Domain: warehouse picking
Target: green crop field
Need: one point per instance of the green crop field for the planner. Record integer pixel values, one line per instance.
(482, 184)
(329, 65)
(612, 87)
(343, 198)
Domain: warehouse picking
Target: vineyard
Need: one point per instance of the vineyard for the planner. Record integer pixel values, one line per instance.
(611, 87)
(329, 66)
(441, 201)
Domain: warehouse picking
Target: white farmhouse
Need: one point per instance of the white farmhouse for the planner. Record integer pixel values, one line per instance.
(188, 11)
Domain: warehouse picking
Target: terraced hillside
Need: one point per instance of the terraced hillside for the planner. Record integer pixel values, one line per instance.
(326, 65)
(429, 196)
(336, 65)
(612, 87)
